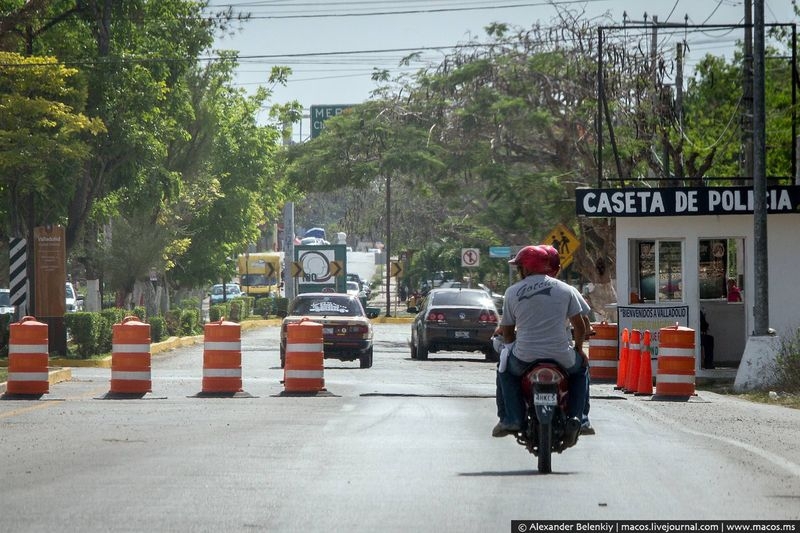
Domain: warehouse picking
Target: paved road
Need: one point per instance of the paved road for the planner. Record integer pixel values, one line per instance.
(403, 446)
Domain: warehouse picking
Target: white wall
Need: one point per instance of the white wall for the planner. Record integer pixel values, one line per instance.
(783, 248)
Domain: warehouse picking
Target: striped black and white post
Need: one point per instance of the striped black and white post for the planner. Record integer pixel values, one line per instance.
(18, 274)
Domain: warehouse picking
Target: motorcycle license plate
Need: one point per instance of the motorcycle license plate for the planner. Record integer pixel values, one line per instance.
(544, 398)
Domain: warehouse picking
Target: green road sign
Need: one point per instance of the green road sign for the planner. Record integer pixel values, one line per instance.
(321, 113)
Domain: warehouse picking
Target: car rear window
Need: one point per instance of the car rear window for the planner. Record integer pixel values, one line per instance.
(460, 298)
(326, 306)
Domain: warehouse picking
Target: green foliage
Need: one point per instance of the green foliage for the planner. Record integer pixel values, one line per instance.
(788, 364)
(217, 312)
(263, 306)
(91, 333)
(189, 322)
(173, 321)
(158, 328)
(5, 323)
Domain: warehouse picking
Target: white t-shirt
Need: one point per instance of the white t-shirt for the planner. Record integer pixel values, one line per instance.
(538, 306)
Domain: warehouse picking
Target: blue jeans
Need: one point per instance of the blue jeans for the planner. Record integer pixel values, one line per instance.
(511, 406)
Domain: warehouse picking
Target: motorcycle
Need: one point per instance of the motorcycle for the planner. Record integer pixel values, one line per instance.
(548, 429)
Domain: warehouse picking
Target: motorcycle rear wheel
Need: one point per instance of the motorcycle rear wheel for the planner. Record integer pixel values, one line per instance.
(545, 448)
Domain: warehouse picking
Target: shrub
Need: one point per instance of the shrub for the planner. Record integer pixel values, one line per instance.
(787, 363)
(158, 329)
(111, 316)
(215, 312)
(5, 323)
(281, 306)
(236, 307)
(173, 320)
(263, 306)
(90, 332)
(190, 322)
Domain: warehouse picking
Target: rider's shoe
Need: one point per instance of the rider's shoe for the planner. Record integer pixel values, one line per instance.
(502, 429)
(587, 429)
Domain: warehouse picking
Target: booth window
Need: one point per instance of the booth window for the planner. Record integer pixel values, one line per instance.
(718, 260)
(658, 270)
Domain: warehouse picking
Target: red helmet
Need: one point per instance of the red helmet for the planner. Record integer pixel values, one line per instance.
(555, 259)
(534, 259)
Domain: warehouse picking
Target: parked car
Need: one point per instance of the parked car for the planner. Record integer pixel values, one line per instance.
(346, 330)
(74, 301)
(232, 290)
(5, 303)
(353, 289)
(453, 319)
(496, 297)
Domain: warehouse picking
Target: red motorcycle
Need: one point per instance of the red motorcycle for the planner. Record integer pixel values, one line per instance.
(548, 428)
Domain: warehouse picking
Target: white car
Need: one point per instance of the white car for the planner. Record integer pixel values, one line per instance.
(5, 303)
(354, 289)
(217, 295)
(73, 300)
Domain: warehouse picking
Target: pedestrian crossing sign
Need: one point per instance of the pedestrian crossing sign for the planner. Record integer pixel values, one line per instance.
(563, 240)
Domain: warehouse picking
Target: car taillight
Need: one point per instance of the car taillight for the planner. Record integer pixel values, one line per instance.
(433, 316)
(488, 317)
(359, 329)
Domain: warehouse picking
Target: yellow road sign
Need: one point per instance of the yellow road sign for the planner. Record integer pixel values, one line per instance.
(297, 269)
(397, 269)
(564, 241)
(336, 268)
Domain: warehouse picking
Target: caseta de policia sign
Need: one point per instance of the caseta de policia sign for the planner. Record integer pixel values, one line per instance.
(682, 201)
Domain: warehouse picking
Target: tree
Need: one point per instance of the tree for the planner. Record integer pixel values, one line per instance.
(43, 141)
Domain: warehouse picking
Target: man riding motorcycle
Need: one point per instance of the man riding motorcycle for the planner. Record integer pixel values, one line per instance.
(534, 312)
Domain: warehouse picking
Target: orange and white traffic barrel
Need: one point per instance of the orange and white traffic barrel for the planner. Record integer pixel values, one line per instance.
(634, 359)
(304, 368)
(603, 352)
(28, 357)
(622, 370)
(130, 357)
(222, 357)
(676, 361)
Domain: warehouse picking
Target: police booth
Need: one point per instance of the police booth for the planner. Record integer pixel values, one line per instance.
(678, 247)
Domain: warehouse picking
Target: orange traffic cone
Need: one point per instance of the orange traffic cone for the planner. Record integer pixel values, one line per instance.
(634, 354)
(645, 385)
(623, 361)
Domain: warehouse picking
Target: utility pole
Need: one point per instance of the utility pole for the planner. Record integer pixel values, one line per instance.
(679, 102)
(761, 265)
(746, 163)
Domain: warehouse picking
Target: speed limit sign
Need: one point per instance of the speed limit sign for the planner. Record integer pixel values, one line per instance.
(470, 257)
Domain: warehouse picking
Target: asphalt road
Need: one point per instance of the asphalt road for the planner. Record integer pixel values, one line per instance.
(403, 446)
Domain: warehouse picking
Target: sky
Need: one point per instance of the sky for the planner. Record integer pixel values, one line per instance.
(333, 46)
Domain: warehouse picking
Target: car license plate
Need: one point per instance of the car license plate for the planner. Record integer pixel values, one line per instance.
(327, 331)
(544, 398)
(462, 334)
